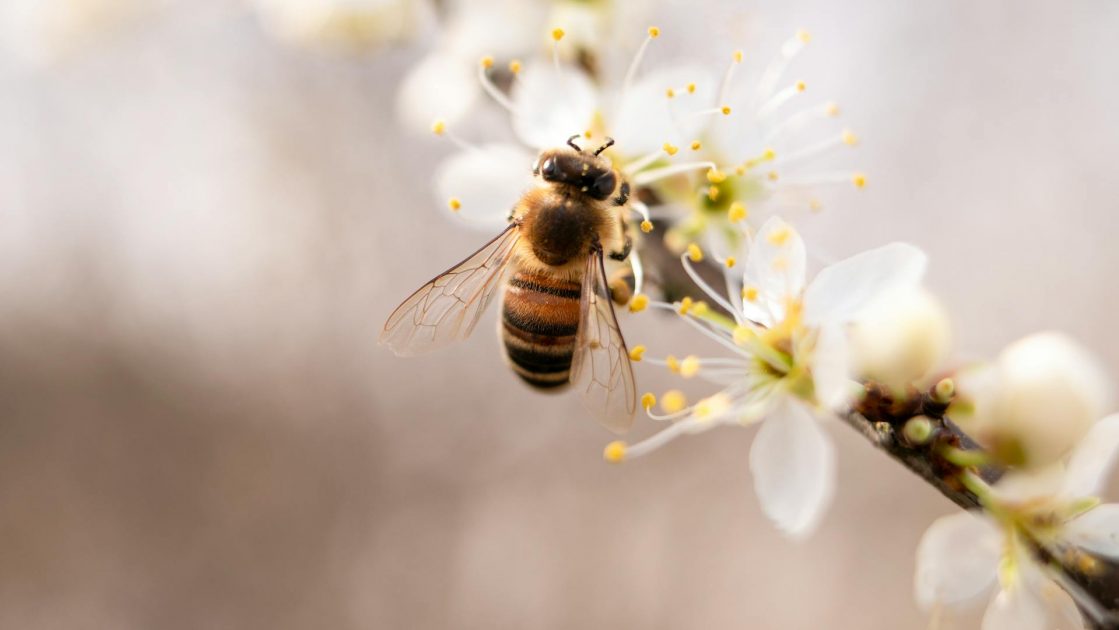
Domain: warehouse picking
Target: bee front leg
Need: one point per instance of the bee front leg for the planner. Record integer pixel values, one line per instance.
(627, 244)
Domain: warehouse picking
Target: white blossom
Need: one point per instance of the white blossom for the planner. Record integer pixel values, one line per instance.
(901, 338)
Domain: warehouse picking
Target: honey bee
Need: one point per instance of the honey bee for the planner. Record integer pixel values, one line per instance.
(558, 325)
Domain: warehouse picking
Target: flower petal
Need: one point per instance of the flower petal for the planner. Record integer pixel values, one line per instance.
(1015, 609)
(843, 289)
(775, 270)
(831, 368)
(1092, 459)
(1096, 531)
(552, 105)
(957, 559)
(440, 86)
(1033, 602)
(487, 183)
(645, 118)
(793, 463)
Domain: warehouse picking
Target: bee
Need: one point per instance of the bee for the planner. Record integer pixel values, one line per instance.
(558, 325)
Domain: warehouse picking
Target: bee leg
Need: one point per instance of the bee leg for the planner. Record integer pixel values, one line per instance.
(627, 247)
(621, 286)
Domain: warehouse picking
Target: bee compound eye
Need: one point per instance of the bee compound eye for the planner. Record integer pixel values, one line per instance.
(548, 168)
(604, 185)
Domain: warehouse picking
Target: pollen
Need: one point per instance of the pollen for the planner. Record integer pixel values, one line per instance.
(689, 367)
(648, 400)
(736, 212)
(740, 170)
(455, 204)
(700, 309)
(715, 176)
(859, 180)
(439, 127)
(638, 303)
(696, 145)
(769, 154)
(654, 32)
(743, 335)
(750, 294)
(615, 452)
(804, 36)
(815, 205)
(587, 134)
(691, 88)
(637, 353)
(685, 306)
(849, 138)
(673, 400)
(779, 236)
(487, 62)
(672, 363)
(713, 192)
(726, 110)
(801, 86)
(670, 93)
(646, 226)
(695, 254)
(730, 262)
(557, 34)
(670, 149)
(831, 109)
(738, 56)
(771, 176)
(515, 66)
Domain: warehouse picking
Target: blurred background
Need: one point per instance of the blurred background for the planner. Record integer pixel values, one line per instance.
(208, 208)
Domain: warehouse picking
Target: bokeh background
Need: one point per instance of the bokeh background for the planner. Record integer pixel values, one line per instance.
(203, 225)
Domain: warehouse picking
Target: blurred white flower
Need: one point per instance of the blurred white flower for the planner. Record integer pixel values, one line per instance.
(1038, 400)
(901, 338)
(790, 363)
(342, 24)
(1054, 510)
(41, 31)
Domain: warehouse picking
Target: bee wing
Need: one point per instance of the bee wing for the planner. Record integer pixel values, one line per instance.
(600, 367)
(446, 309)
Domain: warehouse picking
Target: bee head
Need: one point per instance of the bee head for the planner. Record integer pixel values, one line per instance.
(588, 172)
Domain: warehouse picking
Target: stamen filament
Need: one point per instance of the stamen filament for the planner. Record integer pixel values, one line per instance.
(654, 32)
(662, 437)
(638, 271)
(777, 67)
(810, 151)
(777, 100)
(712, 293)
(491, 89)
(644, 161)
(648, 177)
(801, 119)
(724, 88)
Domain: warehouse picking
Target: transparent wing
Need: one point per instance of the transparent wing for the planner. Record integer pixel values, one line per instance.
(600, 367)
(446, 309)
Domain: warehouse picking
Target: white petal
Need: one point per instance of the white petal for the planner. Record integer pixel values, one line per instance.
(1025, 486)
(957, 559)
(1015, 609)
(500, 28)
(645, 118)
(1034, 602)
(843, 289)
(439, 87)
(793, 463)
(552, 106)
(1096, 531)
(831, 368)
(775, 267)
(487, 183)
(1092, 459)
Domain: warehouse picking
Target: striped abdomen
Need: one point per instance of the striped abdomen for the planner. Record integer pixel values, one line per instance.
(539, 320)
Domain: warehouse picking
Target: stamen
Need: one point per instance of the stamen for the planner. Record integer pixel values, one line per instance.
(716, 176)
(777, 67)
(673, 401)
(696, 145)
(439, 128)
(639, 301)
(801, 119)
(658, 440)
(779, 99)
(737, 212)
(686, 261)
(615, 452)
(689, 367)
(647, 159)
(724, 88)
(856, 179)
(694, 253)
(455, 204)
(515, 66)
(816, 149)
(557, 35)
(638, 272)
(643, 210)
(637, 353)
(648, 177)
(724, 110)
(490, 88)
(654, 33)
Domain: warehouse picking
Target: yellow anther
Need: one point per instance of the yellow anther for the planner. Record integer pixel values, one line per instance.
(713, 192)
(637, 353)
(691, 88)
(648, 400)
(744, 335)
(738, 56)
(689, 367)
(730, 262)
(815, 205)
(801, 86)
(771, 176)
(685, 306)
(587, 134)
(615, 452)
(769, 154)
(515, 66)
(646, 226)
(859, 180)
(654, 32)
(670, 149)
(736, 212)
(487, 62)
(455, 204)
(670, 93)
(695, 254)
(849, 138)
(804, 36)
(831, 109)
(725, 110)
(780, 236)
(750, 294)
(557, 34)
(638, 303)
(439, 127)
(715, 176)
(700, 309)
(696, 145)
(740, 170)
(673, 400)
(672, 363)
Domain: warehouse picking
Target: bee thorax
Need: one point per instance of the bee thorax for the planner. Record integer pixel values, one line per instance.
(560, 232)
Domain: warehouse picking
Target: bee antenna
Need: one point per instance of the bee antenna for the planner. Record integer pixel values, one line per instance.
(609, 143)
(573, 145)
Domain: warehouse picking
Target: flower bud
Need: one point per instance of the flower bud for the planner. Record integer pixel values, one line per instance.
(1044, 394)
(900, 338)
